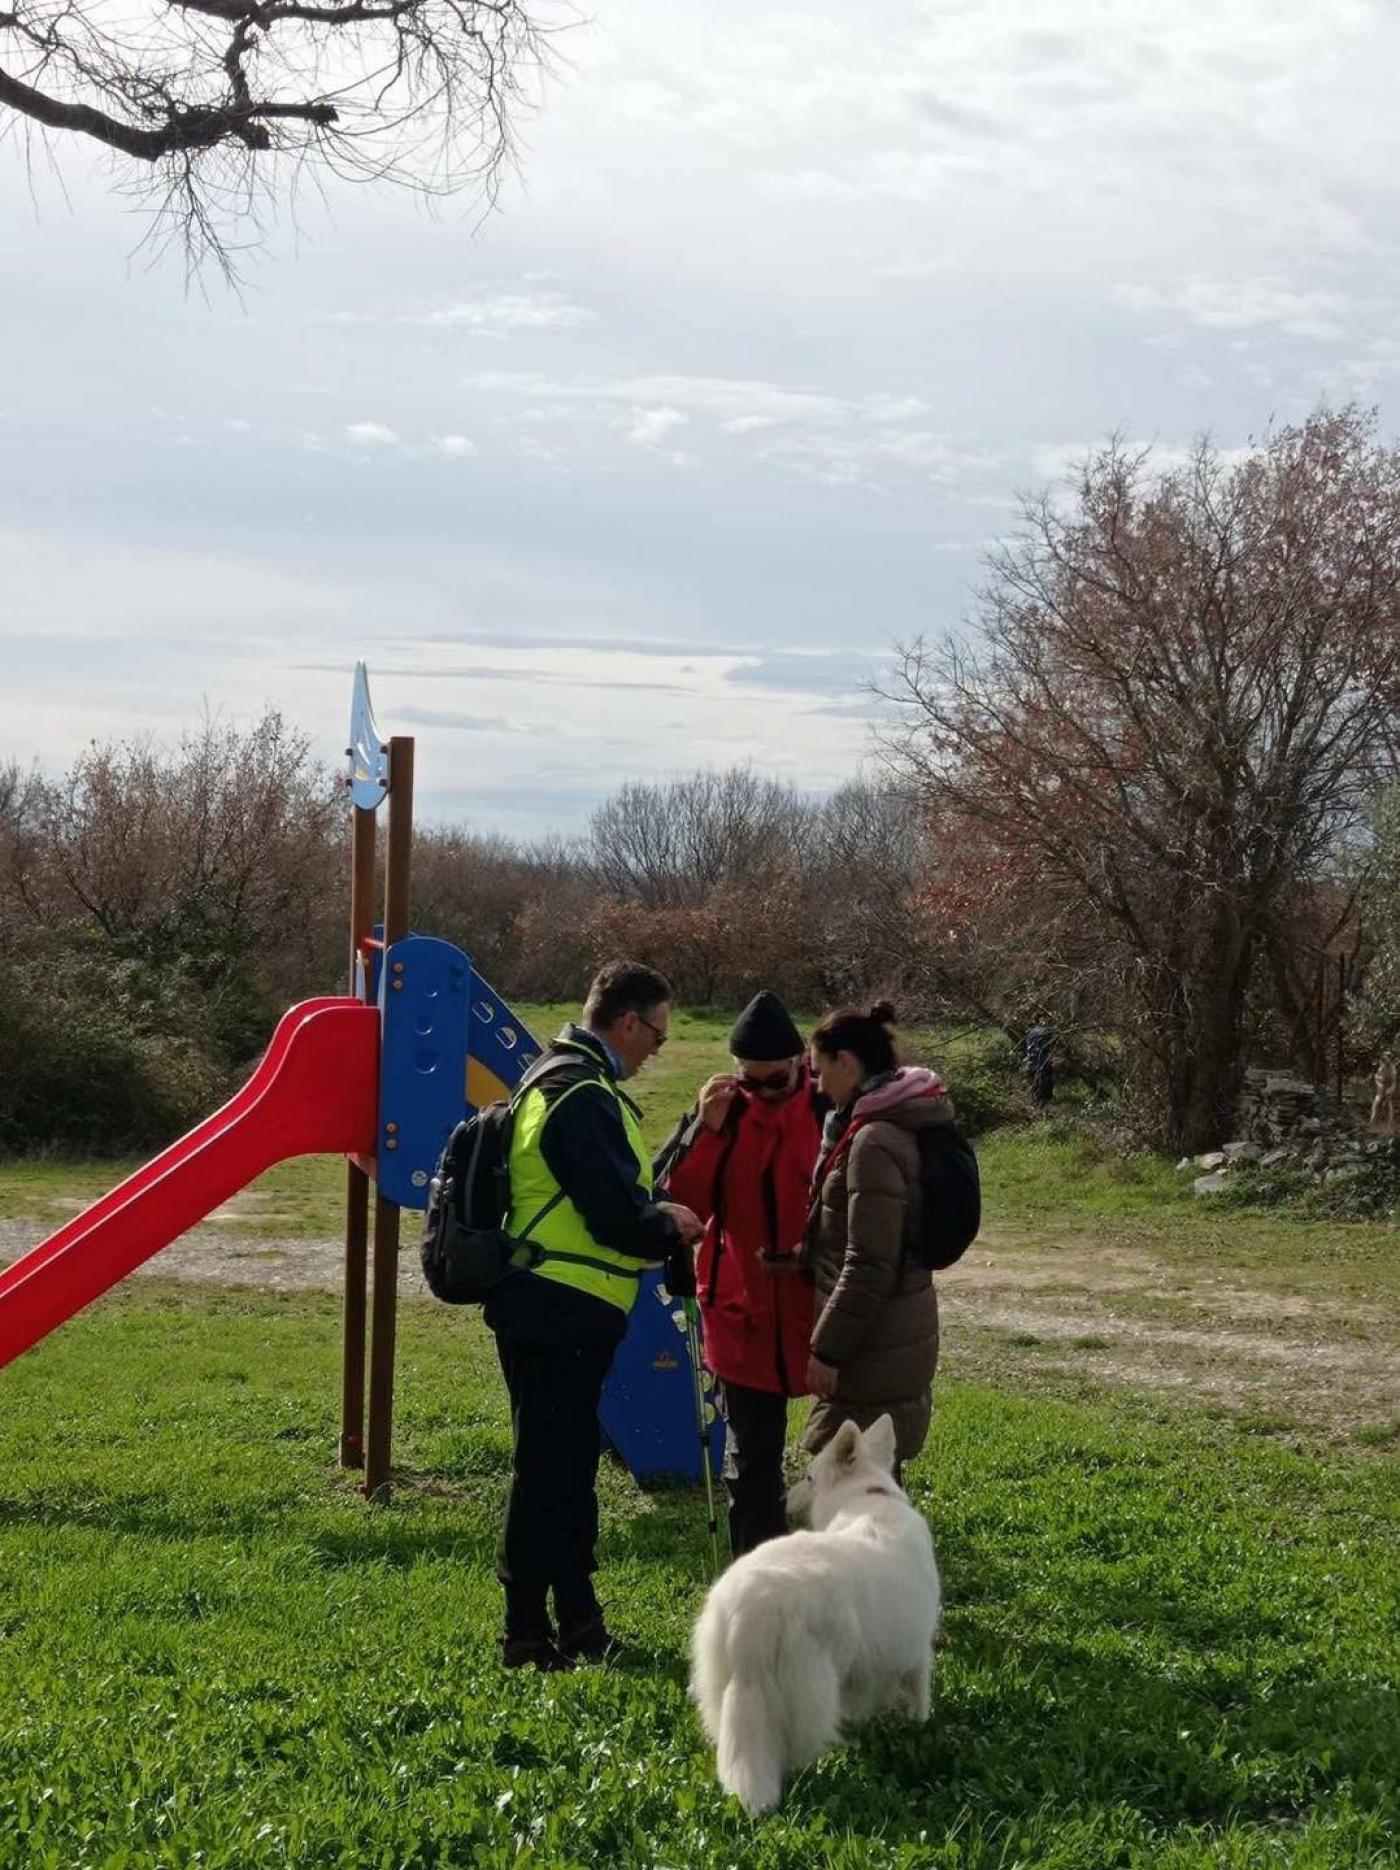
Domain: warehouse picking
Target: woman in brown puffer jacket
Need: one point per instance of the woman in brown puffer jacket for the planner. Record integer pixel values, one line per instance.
(875, 1340)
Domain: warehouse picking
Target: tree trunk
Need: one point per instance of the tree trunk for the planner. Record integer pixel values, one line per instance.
(1205, 1052)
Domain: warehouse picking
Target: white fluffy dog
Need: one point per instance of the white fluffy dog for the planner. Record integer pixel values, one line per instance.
(819, 1630)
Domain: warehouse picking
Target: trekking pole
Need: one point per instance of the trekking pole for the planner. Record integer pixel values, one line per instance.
(692, 1338)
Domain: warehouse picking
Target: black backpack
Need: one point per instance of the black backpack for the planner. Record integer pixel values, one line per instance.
(464, 1248)
(950, 1212)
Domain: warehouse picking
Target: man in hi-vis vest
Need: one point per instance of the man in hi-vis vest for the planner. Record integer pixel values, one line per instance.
(580, 1192)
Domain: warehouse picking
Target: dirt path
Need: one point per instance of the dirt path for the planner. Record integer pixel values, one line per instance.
(220, 1256)
(1086, 1311)
(1019, 1310)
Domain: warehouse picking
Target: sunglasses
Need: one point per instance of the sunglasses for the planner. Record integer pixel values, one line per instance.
(655, 1031)
(783, 1082)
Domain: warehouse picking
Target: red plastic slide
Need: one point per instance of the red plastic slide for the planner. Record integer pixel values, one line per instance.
(315, 1092)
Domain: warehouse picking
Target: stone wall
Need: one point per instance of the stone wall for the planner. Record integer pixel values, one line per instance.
(1286, 1123)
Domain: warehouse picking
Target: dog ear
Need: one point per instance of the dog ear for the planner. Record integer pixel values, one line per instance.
(880, 1442)
(844, 1444)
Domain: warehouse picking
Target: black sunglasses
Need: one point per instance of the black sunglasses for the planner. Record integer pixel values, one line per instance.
(783, 1082)
(655, 1031)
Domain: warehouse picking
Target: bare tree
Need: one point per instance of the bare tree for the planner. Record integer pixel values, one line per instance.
(212, 109)
(21, 805)
(1184, 699)
(866, 928)
(669, 846)
(220, 857)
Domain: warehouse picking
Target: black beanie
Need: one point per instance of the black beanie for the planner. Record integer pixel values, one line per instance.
(764, 1032)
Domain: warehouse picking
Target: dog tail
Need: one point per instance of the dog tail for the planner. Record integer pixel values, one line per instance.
(749, 1750)
(709, 1666)
(780, 1709)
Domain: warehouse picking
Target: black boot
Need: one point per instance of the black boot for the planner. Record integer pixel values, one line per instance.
(586, 1642)
(529, 1638)
(539, 1651)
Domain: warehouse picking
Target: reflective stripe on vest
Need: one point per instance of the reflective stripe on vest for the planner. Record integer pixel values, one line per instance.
(565, 1251)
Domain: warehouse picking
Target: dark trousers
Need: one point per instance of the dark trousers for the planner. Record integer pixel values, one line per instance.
(551, 1525)
(756, 1429)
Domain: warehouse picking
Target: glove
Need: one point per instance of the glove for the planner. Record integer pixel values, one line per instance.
(680, 1272)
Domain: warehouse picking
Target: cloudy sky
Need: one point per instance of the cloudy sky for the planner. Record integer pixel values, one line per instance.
(647, 471)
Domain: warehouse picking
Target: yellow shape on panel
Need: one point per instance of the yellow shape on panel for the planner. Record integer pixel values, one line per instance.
(483, 1085)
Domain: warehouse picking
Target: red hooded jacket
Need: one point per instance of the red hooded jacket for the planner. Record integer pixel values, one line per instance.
(751, 1185)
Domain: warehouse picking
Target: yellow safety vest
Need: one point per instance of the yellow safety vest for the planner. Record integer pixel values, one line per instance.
(542, 1214)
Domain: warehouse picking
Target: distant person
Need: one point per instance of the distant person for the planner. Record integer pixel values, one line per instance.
(581, 1189)
(1383, 1108)
(743, 1160)
(1038, 1063)
(875, 1339)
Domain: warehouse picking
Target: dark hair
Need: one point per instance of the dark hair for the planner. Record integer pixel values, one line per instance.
(623, 987)
(868, 1035)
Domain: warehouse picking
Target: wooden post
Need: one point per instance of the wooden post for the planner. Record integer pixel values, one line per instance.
(352, 1382)
(384, 1277)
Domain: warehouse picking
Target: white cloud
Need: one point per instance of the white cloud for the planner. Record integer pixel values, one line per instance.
(719, 399)
(498, 314)
(1246, 305)
(894, 408)
(455, 447)
(1041, 139)
(812, 433)
(494, 314)
(854, 459)
(371, 435)
(1364, 373)
(649, 427)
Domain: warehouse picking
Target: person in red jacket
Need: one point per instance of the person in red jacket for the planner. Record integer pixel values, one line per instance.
(743, 1161)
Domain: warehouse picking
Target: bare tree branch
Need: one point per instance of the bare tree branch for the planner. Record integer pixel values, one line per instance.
(210, 127)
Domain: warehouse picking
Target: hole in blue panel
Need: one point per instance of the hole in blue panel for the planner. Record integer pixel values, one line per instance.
(456, 978)
(423, 1026)
(484, 1011)
(509, 1037)
(426, 1061)
(428, 992)
(528, 1058)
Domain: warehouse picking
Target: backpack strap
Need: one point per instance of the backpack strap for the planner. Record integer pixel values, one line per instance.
(549, 1064)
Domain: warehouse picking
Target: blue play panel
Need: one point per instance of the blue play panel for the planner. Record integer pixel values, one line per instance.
(648, 1406)
(449, 1040)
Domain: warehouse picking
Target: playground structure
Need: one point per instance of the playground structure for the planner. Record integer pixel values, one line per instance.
(380, 1075)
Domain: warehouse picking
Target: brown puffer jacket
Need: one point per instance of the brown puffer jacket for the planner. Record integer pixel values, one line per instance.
(877, 1321)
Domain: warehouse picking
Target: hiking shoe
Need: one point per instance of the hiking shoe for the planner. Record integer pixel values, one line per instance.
(523, 1652)
(587, 1642)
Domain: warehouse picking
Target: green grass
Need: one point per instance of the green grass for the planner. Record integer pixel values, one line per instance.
(1170, 1637)
(1167, 1644)
(1050, 1166)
